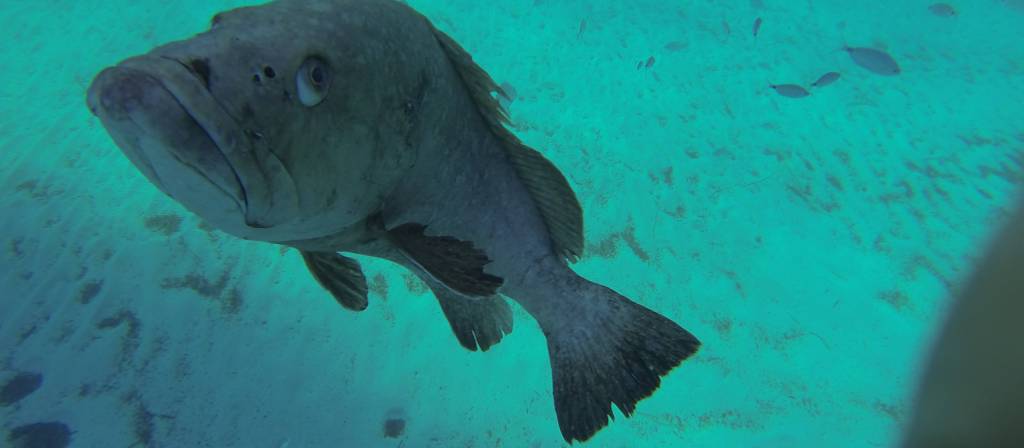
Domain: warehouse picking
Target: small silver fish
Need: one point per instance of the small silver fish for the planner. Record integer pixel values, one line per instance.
(790, 90)
(942, 10)
(649, 63)
(826, 79)
(877, 61)
(675, 46)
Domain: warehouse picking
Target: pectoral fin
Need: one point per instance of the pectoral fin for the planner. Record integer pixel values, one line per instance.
(454, 263)
(339, 275)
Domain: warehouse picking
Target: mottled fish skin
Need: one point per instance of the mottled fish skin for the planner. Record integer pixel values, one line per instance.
(942, 10)
(826, 79)
(790, 90)
(357, 126)
(874, 60)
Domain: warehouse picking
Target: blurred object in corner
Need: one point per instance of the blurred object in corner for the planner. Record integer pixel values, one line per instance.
(972, 391)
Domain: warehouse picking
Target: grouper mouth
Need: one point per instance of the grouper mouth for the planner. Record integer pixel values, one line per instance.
(161, 115)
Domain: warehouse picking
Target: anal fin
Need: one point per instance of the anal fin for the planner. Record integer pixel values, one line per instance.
(454, 263)
(476, 322)
(339, 275)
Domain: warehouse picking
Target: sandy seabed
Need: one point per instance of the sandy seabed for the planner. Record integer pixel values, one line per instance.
(810, 243)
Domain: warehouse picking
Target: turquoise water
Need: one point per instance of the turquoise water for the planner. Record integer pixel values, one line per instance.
(810, 243)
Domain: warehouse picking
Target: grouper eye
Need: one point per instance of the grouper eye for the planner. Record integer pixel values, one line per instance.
(312, 80)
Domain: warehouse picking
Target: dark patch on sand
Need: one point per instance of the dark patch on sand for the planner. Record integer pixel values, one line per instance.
(130, 339)
(670, 421)
(780, 155)
(24, 335)
(211, 232)
(394, 427)
(730, 419)
(230, 300)
(723, 326)
(142, 425)
(679, 212)
(735, 282)
(32, 188)
(630, 238)
(67, 328)
(805, 193)
(907, 193)
(40, 435)
(664, 177)
(981, 140)
(1010, 173)
(413, 284)
(605, 248)
(929, 171)
(20, 386)
(85, 389)
(28, 185)
(15, 247)
(920, 262)
(890, 410)
(89, 291)
(834, 181)
(379, 285)
(165, 224)
(781, 342)
(142, 419)
(897, 299)
(722, 152)
(198, 283)
(881, 245)
(807, 164)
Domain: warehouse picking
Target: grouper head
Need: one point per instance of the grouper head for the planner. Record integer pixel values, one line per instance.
(284, 121)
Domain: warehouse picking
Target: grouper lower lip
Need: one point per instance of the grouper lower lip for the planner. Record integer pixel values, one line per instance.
(152, 114)
(267, 191)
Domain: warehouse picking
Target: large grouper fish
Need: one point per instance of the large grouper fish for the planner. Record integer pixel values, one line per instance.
(357, 126)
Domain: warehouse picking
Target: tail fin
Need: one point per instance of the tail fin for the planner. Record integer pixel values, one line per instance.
(613, 351)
